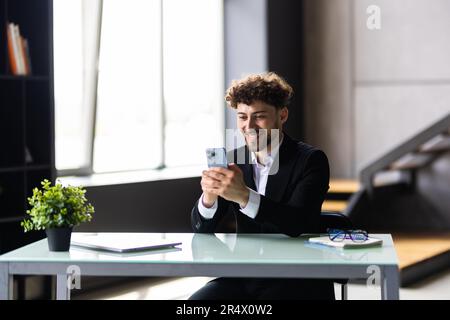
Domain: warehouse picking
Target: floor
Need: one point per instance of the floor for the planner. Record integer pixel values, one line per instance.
(415, 247)
(434, 288)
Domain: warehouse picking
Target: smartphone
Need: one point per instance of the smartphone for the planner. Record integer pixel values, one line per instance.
(217, 157)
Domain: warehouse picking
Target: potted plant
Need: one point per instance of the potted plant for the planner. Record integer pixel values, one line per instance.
(57, 209)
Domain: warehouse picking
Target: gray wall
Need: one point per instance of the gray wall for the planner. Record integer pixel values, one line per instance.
(367, 91)
(245, 43)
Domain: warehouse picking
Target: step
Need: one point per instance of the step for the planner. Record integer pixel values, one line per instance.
(437, 144)
(411, 161)
(343, 186)
(412, 249)
(334, 205)
(342, 189)
(421, 255)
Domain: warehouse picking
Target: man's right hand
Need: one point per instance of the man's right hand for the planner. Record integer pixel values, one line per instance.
(210, 180)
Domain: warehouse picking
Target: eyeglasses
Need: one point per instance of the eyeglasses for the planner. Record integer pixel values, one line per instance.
(339, 235)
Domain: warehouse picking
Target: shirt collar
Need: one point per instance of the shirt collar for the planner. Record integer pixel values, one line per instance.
(269, 158)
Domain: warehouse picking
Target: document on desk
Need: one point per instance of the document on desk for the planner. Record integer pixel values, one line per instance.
(122, 242)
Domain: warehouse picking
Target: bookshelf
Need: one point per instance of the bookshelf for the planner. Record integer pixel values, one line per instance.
(26, 118)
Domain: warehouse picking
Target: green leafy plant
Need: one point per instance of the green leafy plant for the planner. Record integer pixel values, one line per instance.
(57, 207)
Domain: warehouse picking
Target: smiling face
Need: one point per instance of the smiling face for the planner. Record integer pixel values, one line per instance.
(256, 116)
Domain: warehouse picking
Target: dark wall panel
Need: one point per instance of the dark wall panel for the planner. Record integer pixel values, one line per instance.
(285, 54)
(155, 206)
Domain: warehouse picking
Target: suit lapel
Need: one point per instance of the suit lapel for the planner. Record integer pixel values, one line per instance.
(278, 180)
(247, 170)
(248, 176)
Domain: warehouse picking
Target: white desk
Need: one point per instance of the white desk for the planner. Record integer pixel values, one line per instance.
(220, 255)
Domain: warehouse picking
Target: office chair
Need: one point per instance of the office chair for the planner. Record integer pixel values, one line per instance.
(336, 220)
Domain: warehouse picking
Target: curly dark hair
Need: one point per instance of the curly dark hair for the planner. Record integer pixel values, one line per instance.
(268, 87)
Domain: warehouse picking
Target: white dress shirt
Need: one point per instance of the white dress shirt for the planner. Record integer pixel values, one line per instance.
(260, 175)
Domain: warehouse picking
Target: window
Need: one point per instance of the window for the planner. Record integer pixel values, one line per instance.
(193, 89)
(128, 122)
(68, 78)
(156, 98)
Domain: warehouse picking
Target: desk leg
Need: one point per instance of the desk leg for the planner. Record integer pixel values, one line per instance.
(6, 282)
(62, 289)
(390, 284)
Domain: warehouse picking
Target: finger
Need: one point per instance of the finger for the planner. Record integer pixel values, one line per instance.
(223, 171)
(214, 175)
(210, 183)
(234, 167)
(209, 180)
(212, 172)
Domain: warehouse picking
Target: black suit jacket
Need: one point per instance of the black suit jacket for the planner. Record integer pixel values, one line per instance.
(293, 198)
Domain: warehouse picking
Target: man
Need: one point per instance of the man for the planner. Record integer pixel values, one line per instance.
(288, 201)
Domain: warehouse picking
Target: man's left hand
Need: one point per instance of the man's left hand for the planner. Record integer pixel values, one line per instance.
(231, 185)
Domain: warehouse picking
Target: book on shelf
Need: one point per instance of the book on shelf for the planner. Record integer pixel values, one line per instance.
(18, 50)
(28, 157)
